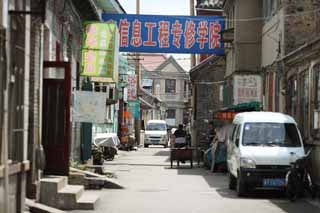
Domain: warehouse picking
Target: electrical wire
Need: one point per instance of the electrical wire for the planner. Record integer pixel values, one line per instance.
(260, 18)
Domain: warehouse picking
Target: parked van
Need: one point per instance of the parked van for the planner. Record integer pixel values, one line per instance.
(156, 133)
(260, 149)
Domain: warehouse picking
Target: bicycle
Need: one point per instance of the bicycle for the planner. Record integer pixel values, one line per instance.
(298, 179)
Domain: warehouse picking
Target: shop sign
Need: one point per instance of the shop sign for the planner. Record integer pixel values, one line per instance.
(146, 82)
(169, 34)
(100, 48)
(89, 107)
(225, 115)
(132, 87)
(134, 108)
(247, 88)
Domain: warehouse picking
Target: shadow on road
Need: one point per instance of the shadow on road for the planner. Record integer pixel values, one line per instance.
(163, 153)
(296, 207)
(277, 197)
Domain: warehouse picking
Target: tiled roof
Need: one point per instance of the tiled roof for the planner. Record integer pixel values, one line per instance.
(210, 4)
(152, 61)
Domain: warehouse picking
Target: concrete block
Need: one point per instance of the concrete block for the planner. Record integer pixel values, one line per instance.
(76, 179)
(41, 208)
(49, 188)
(67, 197)
(87, 202)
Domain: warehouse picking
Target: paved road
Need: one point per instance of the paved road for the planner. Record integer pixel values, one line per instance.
(152, 187)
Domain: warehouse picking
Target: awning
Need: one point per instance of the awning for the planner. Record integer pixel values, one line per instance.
(228, 113)
(144, 104)
(250, 106)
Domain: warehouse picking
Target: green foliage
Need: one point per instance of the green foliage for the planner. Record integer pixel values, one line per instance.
(77, 165)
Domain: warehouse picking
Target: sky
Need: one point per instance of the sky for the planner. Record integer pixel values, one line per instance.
(162, 7)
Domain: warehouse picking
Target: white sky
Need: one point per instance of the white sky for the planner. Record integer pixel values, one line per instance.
(162, 7)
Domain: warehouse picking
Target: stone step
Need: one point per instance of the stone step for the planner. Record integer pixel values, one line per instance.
(103, 182)
(68, 196)
(40, 208)
(49, 187)
(55, 181)
(87, 201)
(93, 180)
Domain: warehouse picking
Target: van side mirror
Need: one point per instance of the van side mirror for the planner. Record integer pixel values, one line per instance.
(237, 141)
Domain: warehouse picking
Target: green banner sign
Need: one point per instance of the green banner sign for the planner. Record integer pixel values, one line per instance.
(134, 108)
(100, 49)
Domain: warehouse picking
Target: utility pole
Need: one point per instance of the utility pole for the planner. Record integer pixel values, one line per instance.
(193, 57)
(137, 121)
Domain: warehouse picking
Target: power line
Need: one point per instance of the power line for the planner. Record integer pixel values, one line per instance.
(260, 18)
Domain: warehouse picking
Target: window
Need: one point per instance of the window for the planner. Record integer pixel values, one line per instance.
(317, 86)
(171, 86)
(156, 127)
(97, 87)
(292, 91)
(231, 17)
(221, 88)
(304, 103)
(271, 134)
(171, 113)
(109, 110)
(269, 8)
(234, 132)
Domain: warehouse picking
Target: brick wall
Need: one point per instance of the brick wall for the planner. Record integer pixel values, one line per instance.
(33, 130)
(207, 97)
(302, 22)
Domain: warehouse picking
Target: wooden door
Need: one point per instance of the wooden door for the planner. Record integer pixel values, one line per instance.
(56, 125)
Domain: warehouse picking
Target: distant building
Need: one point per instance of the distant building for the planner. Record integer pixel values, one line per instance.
(170, 83)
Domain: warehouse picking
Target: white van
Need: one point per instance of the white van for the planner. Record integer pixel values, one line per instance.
(156, 133)
(260, 149)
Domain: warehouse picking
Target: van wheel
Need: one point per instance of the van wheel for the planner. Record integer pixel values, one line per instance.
(146, 146)
(241, 187)
(232, 182)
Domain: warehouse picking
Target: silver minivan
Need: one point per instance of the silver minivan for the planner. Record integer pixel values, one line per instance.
(156, 133)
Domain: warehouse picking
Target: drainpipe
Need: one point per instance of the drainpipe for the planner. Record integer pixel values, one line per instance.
(40, 90)
(5, 132)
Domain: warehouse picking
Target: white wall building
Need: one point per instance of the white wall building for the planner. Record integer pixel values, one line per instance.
(170, 83)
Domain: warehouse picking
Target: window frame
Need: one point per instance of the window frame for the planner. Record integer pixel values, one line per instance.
(170, 83)
(172, 111)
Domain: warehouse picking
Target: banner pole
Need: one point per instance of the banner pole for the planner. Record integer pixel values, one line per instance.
(137, 121)
(193, 56)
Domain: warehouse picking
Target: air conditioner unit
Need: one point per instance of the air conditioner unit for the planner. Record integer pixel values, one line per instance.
(3, 14)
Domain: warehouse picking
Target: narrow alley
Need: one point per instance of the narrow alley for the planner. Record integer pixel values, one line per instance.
(152, 186)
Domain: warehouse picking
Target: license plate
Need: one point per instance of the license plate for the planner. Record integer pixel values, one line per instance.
(273, 182)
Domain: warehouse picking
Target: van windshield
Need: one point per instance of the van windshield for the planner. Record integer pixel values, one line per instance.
(271, 134)
(156, 127)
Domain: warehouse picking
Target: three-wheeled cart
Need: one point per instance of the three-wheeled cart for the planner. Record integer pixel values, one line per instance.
(180, 155)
